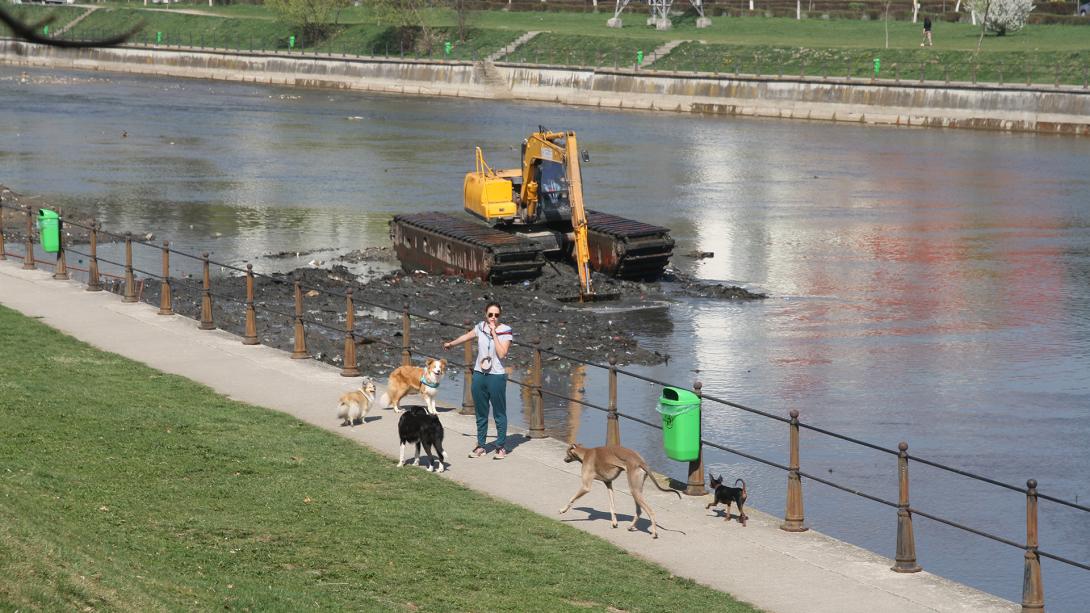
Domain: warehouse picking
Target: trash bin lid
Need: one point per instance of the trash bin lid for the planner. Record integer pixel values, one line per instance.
(47, 214)
(677, 396)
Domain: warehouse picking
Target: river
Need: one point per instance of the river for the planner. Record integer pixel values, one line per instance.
(926, 285)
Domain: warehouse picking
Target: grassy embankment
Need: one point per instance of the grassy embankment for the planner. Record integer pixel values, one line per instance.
(747, 45)
(124, 488)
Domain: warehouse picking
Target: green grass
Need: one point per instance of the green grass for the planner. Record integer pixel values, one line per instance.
(748, 45)
(32, 14)
(124, 488)
(1010, 67)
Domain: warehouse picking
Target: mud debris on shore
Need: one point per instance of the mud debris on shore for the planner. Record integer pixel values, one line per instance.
(442, 308)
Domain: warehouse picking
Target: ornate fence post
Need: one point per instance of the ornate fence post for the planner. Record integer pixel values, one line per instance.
(60, 270)
(250, 336)
(906, 542)
(695, 486)
(299, 352)
(351, 368)
(793, 516)
(130, 280)
(467, 385)
(166, 304)
(206, 296)
(93, 284)
(406, 354)
(613, 426)
(28, 257)
(537, 418)
(1033, 591)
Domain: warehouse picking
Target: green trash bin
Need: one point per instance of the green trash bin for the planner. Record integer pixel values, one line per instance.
(680, 411)
(49, 230)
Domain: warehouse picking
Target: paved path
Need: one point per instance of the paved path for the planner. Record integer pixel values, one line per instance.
(775, 570)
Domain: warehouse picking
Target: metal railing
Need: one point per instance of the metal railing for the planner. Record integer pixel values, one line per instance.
(794, 516)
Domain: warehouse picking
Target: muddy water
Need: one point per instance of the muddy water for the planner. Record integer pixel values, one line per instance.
(926, 286)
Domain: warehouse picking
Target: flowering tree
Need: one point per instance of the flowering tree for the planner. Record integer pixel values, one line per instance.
(1001, 16)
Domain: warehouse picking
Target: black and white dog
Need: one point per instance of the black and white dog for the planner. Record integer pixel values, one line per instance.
(417, 426)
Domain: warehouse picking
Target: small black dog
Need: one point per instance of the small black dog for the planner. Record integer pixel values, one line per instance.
(417, 426)
(726, 495)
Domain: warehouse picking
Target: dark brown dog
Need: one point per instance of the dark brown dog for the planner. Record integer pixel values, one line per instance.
(606, 464)
(726, 495)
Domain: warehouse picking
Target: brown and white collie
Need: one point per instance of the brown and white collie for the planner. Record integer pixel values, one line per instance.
(407, 379)
(354, 405)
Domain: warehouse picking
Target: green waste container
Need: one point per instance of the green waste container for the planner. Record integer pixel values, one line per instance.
(49, 230)
(680, 411)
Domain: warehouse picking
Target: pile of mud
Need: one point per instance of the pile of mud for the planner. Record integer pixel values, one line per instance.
(532, 308)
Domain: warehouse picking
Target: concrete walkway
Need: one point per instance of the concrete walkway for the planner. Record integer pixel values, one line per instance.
(509, 49)
(660, 52)
(775, 570)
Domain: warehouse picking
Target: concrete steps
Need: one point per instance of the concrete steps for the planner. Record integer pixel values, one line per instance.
(509, 49)
(73, 23)
(660, 52)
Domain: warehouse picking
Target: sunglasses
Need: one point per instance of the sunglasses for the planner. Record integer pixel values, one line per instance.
(492, 314)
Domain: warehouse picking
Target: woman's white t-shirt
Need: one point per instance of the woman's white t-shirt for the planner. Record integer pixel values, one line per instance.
(486, 346)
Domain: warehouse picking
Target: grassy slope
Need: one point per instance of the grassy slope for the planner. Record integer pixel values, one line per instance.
(125, 488)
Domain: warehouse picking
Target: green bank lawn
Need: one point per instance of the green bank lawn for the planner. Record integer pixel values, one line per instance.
(123, 488)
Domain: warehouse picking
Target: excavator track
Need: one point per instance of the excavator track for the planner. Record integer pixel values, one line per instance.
(627, 248)
(440, 243)
(445, 244)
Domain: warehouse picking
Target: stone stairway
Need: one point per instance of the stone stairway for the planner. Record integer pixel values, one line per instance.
(73, 23)
(660, 52)
(487, 73)
(505, 51)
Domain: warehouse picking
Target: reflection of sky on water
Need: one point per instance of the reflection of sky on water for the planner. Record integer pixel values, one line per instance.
(926, 285)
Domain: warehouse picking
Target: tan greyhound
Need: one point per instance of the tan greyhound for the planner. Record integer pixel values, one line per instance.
(605, 464)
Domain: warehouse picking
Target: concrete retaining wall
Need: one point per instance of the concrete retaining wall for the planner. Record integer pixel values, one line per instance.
(1042, 109)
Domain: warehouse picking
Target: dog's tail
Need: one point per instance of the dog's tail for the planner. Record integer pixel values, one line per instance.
(744, 496)
(647, 470)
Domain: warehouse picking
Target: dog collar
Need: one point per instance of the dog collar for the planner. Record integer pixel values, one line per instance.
(424, 381)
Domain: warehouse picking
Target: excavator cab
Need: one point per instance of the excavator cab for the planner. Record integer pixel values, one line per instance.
(554, 200)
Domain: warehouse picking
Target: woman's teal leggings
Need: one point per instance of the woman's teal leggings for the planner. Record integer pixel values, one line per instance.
(490, 388)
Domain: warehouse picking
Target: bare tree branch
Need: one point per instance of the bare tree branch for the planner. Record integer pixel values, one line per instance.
(29, 33)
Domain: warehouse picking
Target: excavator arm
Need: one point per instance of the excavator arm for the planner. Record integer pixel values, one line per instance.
(542, 146)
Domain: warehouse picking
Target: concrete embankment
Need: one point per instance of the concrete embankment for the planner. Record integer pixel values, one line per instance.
(1020, 108)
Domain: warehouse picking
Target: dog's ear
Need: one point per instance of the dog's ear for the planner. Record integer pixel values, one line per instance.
(443, 363)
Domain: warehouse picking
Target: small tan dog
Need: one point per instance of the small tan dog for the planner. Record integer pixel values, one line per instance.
(355, 404)
(406, 379)
(605, 464)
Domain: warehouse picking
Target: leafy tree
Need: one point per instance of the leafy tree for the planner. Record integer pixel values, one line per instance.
(314, 18)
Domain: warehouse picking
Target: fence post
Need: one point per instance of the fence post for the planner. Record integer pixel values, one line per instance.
(613, 427)
(206, 297)
(537, 417)
(467, 386)
(250, 336)
(60, 270)
(695, 486)
(975, 67)
(299, 352)
(906, 542)
(3, 248)
(28, 257)
(93, 284)
(165, 302)
(130, 281)
(1033, 591)
(923, 69)
(793, 516)
(406, 354)
(351, 366)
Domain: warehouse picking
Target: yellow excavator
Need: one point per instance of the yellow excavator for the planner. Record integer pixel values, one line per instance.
(531, 211)
(546, 192)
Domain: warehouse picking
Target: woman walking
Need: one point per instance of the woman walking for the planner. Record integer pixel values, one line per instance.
(489, 377)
